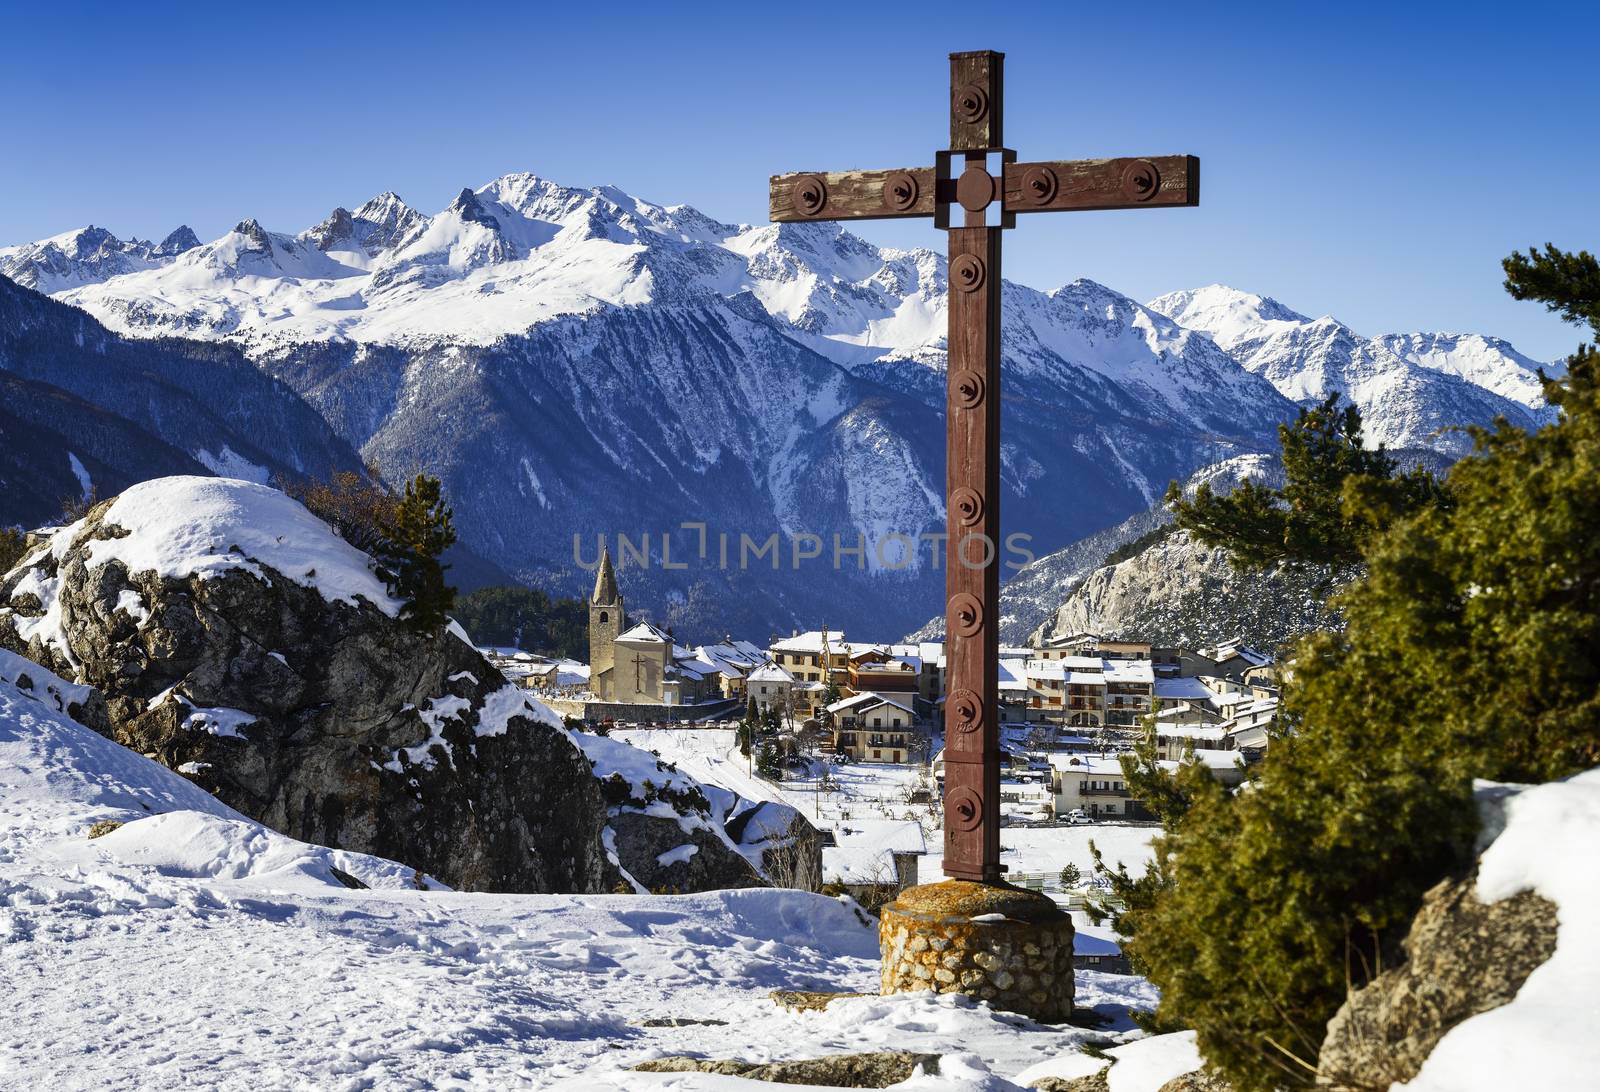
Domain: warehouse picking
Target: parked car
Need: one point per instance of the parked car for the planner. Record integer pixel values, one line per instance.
(1078, 817)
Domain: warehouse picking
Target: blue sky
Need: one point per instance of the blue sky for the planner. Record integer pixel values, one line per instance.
(1370, 161)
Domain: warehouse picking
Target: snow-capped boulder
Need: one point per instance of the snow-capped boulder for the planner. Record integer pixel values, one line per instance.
(671, 833)
(1497, 989)
(240, 642)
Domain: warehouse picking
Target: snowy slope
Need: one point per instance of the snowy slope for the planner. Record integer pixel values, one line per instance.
(191, 946)
(1408, 387)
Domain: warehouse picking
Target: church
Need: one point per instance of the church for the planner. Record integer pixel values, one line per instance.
(640, 664)
(625, 665)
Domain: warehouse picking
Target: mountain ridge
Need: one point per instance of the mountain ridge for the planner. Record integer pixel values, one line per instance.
(578, 363)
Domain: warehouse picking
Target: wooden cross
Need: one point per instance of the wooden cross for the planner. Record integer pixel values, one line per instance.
(972, 476)
(638, 666)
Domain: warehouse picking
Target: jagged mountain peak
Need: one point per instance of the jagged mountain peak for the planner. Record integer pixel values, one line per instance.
(181, 239)
(471, 208)
(382, 205)
(80, 256)
(1409, 388)
(339, 226)
(1489, 362)
(256, 235)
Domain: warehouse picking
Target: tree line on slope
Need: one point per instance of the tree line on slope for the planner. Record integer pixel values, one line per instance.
(1467, 653)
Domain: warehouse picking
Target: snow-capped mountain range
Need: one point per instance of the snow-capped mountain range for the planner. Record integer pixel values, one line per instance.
(579, 361)
(1409, 386)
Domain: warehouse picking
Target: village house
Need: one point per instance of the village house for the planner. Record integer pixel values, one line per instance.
(771, 686)
(874, 670)
(874, 728)
(1096, 785)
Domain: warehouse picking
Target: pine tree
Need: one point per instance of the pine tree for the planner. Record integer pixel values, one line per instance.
(1468, 653)
(768, 763)
(419, 532)
(1337, 492)
(747, 727)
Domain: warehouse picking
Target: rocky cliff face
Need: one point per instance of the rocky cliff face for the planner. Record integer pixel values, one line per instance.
(239, 642)
(1178, 592)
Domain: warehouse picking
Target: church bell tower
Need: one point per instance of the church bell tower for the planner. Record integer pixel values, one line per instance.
(605, 622)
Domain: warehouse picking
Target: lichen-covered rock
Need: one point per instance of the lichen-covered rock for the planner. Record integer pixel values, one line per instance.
(875, 1070)
(1198, 1081)
(1095, 1082)
(238, 641)
(1462, 958)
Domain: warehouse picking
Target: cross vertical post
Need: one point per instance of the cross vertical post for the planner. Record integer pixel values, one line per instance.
(972, 474)
(972, 484)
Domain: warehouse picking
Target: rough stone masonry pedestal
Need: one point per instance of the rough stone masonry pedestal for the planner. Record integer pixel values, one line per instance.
(993, 942)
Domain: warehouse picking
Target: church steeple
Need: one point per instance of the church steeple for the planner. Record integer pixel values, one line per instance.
(605, 580)
(605, 623)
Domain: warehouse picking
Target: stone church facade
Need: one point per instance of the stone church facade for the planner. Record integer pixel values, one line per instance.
(627, 666)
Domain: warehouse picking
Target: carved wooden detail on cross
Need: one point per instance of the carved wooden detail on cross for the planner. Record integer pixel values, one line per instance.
(972, 478)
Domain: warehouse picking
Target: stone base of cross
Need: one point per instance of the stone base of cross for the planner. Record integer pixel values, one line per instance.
(972, 480)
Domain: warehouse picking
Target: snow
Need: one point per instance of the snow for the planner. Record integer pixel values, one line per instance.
(58, 694)
(186, 526)
(190, 526)
(1544, 1038)
(219, 721)
(193, 946)
(85, 485)
(678, 855)
(131, 603)
(228, 463)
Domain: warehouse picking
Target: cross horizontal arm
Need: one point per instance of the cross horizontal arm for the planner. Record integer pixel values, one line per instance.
(1165, 181)
(852, 195)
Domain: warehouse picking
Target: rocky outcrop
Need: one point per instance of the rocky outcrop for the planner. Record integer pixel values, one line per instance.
(1198, 1081)
(1463, 957)
(875, 1070)
(239, 642)
(1178, 592)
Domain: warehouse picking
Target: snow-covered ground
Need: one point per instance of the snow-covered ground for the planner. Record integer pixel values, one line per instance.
(867, 807)
(193, 946)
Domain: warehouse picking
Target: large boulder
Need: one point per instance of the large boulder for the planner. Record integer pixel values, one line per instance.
(1474, 945)
(240, 642)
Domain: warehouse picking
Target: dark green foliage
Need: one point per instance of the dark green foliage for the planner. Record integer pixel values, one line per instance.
(830, 694)
(11, 548)
(1070, 876)
(1308, 519)
(768, 763)
(1568, 284)
(526, 618)
(1468, 652)
(747, 727)
(419, 532)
